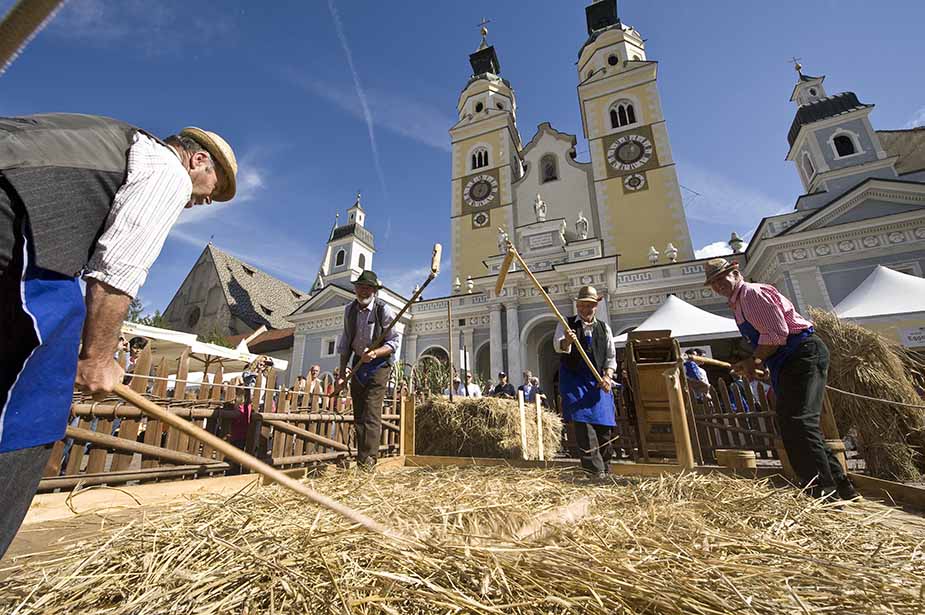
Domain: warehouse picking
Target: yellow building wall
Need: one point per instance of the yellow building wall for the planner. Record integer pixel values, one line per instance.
(471, 246)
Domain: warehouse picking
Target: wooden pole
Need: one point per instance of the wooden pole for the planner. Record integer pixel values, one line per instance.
(406, 447)
(449, 329)
(682, 436)
(539, 287)
(721, 364)
(240, 457)
(539, 429)
(21, 23)
(523, 424)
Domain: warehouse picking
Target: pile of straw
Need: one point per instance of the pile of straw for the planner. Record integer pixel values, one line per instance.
(672, 545)
(891, 438)
(482, 427)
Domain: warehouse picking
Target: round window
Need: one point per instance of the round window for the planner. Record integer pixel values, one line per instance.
(500, 106)
(613, 60)
(193, 317)
(479, 107)
(812, 91)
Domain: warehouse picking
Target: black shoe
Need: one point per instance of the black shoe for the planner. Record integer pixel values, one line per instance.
(846, 490)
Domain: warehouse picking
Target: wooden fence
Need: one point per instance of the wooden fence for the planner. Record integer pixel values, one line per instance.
(112, 442)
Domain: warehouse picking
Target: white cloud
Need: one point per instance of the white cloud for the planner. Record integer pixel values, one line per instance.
(717, 248)
(251, 183)
(712, 197)
(917, 120)
(398, 114)
(361, 95)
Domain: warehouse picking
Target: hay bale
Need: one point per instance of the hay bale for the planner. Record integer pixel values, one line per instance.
(482, 427)
(673, 545)
(891, 438)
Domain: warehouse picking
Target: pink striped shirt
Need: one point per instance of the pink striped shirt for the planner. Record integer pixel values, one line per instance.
(771, 313)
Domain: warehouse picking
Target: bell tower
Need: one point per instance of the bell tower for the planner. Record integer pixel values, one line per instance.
(635, 181)
(485, 161)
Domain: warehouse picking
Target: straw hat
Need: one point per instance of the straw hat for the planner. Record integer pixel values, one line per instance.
(716, 267)
(223, 156)
(589, 294)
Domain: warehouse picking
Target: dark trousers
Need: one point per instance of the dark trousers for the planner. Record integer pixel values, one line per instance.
(367, 414)
(801, 387)
(20, 473)
(594, 446)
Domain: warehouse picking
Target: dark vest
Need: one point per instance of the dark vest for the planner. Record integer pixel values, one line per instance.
(350, 323)
(598, 351)
(66, 170)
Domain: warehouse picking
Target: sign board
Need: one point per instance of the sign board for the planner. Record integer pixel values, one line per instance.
(912, 338)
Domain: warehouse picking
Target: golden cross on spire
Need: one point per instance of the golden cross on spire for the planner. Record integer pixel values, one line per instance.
(483, 25)
(796, 64)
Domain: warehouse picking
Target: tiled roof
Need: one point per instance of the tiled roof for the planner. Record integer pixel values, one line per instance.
(821, 109)
(254, 296)
(346, 230)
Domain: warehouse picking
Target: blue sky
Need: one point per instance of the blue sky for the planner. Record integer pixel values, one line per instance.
(322, 98)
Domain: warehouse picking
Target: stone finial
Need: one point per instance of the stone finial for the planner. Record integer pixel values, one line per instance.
(582, 226)
(539, 208)
(456, 285)
(653, 255)
(469, 284)
(671, 252)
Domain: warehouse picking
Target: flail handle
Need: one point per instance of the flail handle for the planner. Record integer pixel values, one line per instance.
(435, 261)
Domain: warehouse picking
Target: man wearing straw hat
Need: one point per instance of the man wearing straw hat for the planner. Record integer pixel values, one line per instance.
(586, 403)
(364, 320)
(786, 345)
(79, 194)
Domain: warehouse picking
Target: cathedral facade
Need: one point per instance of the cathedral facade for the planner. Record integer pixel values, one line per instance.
(617, 221)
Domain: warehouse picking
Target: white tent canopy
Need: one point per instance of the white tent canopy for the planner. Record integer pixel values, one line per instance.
(884, 292)
(686, 322)
(171, 344)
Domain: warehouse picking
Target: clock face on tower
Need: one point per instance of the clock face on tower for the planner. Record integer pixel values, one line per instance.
(480, 190)
(629, 152)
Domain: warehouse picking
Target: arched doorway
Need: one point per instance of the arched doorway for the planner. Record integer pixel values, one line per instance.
(437, 352)
(539, 356)
(483, 363)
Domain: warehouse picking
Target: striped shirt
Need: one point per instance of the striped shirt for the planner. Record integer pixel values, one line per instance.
(771, 313)
(156, 189)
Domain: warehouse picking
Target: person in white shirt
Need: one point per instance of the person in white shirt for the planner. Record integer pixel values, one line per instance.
(471, 389)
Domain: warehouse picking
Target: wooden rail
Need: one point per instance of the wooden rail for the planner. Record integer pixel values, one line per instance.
(112, 442)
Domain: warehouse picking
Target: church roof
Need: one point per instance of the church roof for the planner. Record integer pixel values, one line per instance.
(908, 145)
(821, 109)
(346, 230)
(254, 296)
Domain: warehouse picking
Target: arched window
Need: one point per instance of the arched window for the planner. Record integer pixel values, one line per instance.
(844, 146)
(362, 261)
(622, 114)
(480, 158)
(549, 169)
(808, 169)
(339, 259)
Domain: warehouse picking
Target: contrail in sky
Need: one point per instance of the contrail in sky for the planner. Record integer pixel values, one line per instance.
(361, 94)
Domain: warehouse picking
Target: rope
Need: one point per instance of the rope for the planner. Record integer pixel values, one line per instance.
(886, 401)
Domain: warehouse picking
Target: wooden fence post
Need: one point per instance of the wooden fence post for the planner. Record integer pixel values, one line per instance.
(682, 437)
(523, 424)
(406, 446)
(541, 452)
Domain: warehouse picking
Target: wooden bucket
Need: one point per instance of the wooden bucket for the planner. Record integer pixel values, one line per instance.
(838, 448)
(740, 462)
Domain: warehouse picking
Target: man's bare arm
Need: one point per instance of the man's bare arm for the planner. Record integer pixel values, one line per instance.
(106, 309)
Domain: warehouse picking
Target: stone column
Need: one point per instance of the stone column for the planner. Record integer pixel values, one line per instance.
(410, 343)
(513, 344)
(603, 310)
(496, 356)
(298, 354)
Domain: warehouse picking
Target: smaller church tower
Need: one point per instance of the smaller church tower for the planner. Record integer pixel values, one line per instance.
(832, 142)
(349, 251)
(485, 162)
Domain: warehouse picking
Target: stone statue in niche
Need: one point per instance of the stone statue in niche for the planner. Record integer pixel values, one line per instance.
(539, 208)
(671, 252)
(562, 227)
(582, 226)
(502, 241)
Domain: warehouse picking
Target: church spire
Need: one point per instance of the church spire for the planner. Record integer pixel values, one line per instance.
(356, 214)
(484, 60)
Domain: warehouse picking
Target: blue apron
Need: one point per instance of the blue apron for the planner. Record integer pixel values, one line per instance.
(366, 371)
(776, 361)
(582, 400)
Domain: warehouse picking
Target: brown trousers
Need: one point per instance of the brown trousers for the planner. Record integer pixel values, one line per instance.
(367, 414)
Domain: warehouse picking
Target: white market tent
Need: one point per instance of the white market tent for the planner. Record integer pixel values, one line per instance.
(890, 303)
(686, 322)
(171, 344)
(884, 292)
